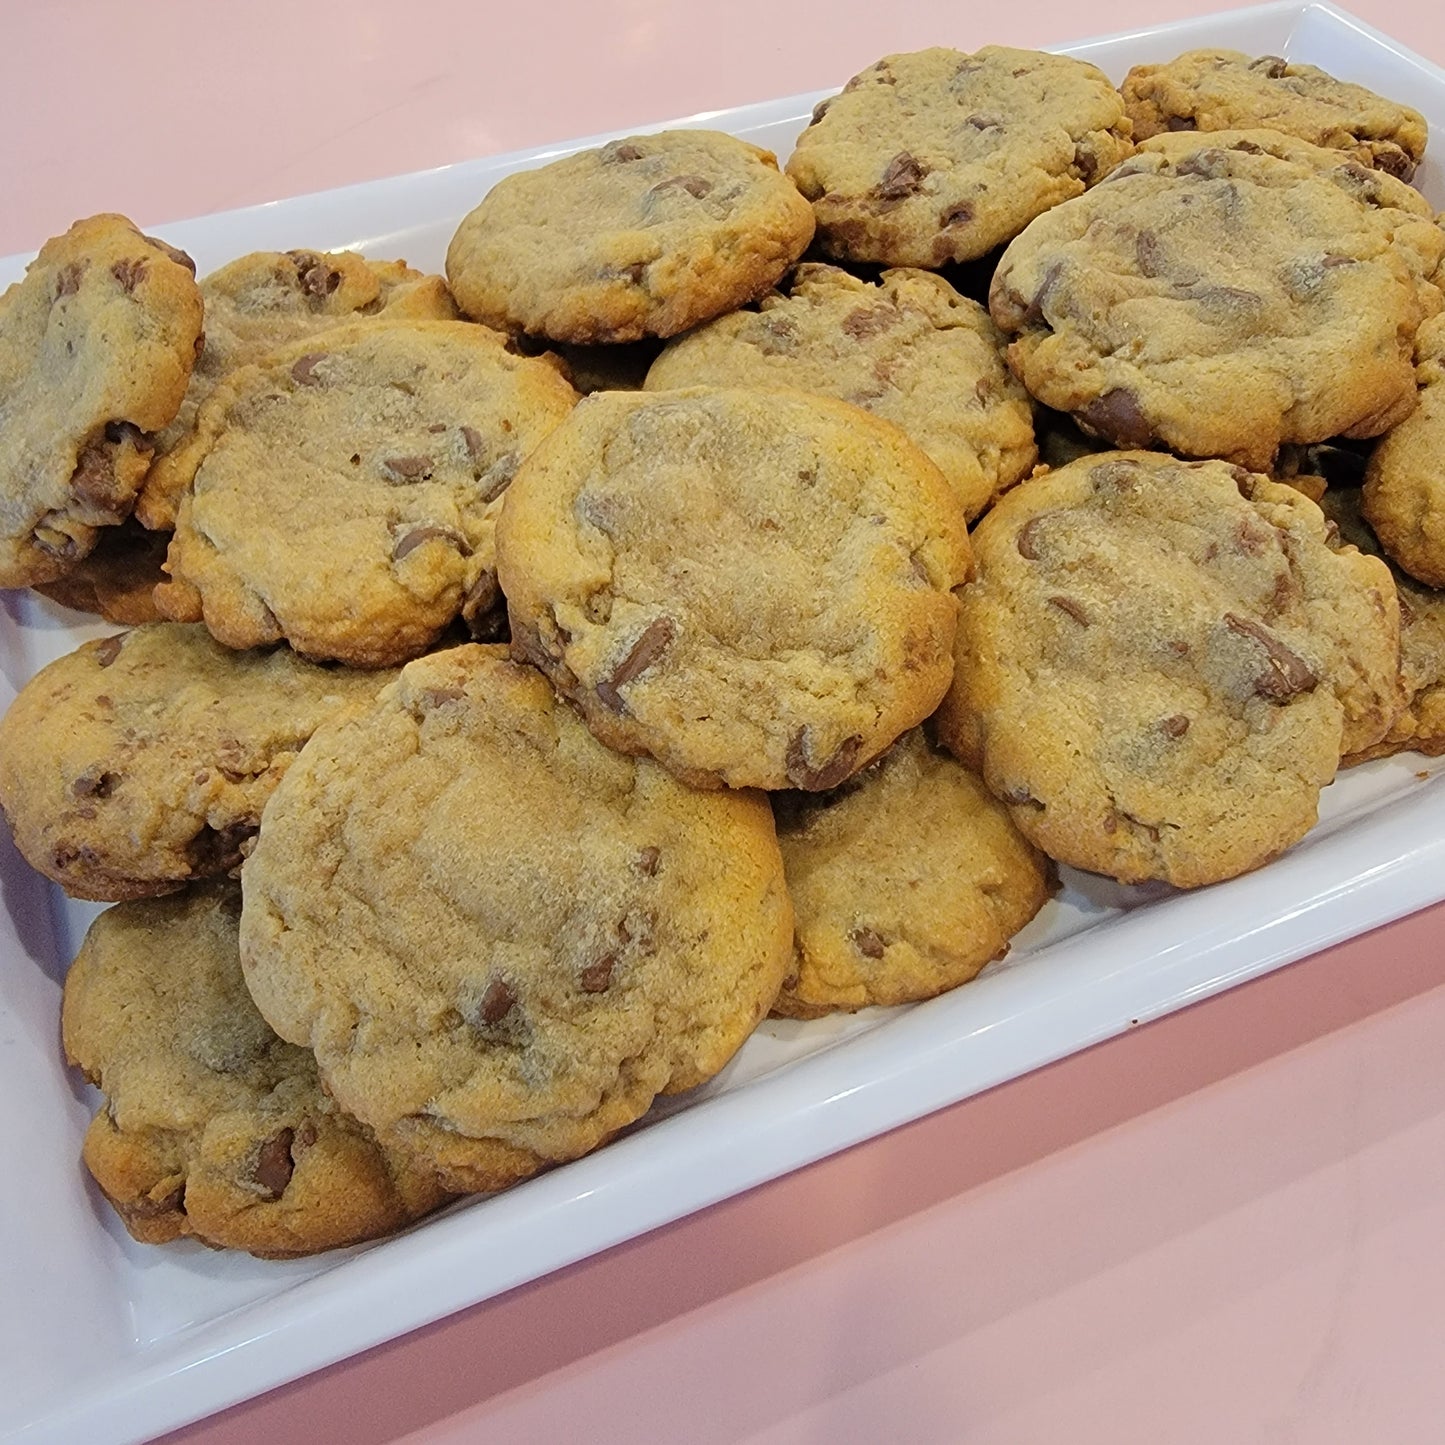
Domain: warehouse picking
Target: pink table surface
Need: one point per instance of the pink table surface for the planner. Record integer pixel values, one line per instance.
(1223, 1227)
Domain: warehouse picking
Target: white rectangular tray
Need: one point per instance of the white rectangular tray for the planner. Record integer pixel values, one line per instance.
(105, 1340)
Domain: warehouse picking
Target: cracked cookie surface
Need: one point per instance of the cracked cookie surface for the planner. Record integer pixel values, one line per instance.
(213, 1127)
(1161, 663)
(267, 300)
(142, 761)
(1211, 90)
(938, 156)
(905, 882)
(97, 343)
(641, 237)
(502, 939)
(756, 588)
(1224, 295)
(348, 489)
(909, 349)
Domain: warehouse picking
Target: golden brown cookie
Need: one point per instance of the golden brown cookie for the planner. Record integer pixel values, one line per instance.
(938, 156)
(502, 939)
(1404, 492)
(347, 489)
(905, 882)
(754, 587)
(641, 237)
(909, 349)
(1211, 90)
(96, 347)
(139, 762)
(213, 1127)
(1220, 299)
(267, 300)
(1161, 664)
(1420, 727)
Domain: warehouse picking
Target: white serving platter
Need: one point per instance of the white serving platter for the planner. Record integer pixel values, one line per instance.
(103, 1340)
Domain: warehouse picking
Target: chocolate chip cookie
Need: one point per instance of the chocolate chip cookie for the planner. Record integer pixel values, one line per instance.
(347, 489)
(96, 348)
(139, 762)
(213, 1127)
(1420, 727)
(502, 939)
(908, 348)
(1220, 300)
(755, 587)
(641, 237)
(264, 301)
(1210, 90)
(905, 882)
(938, 156)
(1161, 664)
(1404, 493)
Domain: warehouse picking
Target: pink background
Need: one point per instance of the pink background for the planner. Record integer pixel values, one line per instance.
(1224, 1227)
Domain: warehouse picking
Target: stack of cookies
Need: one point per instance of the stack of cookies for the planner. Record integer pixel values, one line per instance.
(487, 759)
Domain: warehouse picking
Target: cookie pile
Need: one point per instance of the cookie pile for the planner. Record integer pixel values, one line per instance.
(540, 675)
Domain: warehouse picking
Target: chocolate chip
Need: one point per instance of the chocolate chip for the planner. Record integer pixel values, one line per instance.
(1273, 67)
(410, 541)
(865, 321)
(620, 151)
(95, 785)
(174, 252)
(108, 649)
(93, 480)
(498, 477)
(1394, 161)
(303, 369)
(217, 850)
(496, 1002)
(67, 279)
(151, 1206)
(597, 977)
(984, 122)
(1286, 673)
(655, 639)
(1116, 416)
(1027, 540)
(130, 273)
(1174, 727)
(901, 178)
(803, 774)
(313, 275)
(867, 942)
(274, 1166)
(1147, 253)
(960, 214)
(1182, 122)
(775, 335)
(696, 186)
(472, 439)
(1034, 312)
(647, 861)
(306, 1136)
(1072, 608)
(820, 110)
(408, 469)
(486, 619)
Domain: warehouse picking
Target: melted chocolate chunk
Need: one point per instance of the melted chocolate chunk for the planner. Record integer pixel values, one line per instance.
(655, 639)
(274, 1165)
(816, 779)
